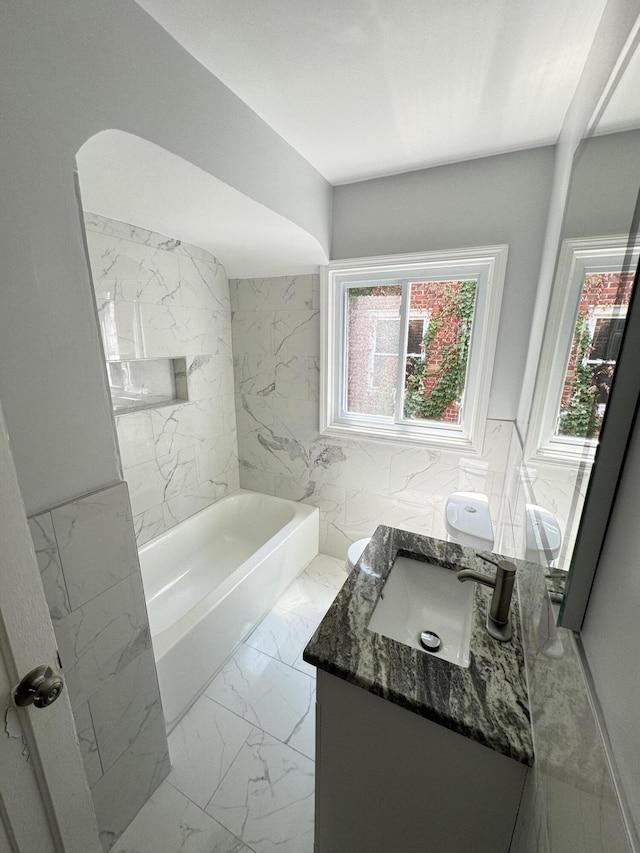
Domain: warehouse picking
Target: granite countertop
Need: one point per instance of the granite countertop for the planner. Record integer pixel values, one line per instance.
(486, 702)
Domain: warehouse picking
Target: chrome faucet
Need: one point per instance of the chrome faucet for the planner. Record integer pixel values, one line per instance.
(498, 622)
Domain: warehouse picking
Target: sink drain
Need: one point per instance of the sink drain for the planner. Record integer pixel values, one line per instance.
(430, 641)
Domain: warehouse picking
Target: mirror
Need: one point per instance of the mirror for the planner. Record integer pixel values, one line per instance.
(581, 417)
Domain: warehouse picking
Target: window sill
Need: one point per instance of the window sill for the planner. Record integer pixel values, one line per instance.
(566, 453)
(433, 438)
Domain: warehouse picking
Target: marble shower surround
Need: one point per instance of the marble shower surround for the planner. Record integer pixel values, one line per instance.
(357, 484)
(160, 298)
(88, 560)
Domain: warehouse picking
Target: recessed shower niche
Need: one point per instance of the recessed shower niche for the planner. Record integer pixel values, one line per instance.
(147, 383)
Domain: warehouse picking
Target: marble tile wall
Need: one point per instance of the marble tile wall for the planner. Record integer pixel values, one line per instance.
(570, 803)
(88, 560)
(356, 484)
(160, 298)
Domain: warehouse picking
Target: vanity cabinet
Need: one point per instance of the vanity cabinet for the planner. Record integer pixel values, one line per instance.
(391, 781)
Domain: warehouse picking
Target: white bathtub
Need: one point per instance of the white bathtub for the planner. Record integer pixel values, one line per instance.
(210, 579)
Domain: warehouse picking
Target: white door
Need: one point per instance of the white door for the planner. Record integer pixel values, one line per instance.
(45, 802)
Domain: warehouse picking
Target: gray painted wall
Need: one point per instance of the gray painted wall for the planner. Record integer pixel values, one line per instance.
(503, 199)
(604, 186)
(69, 70)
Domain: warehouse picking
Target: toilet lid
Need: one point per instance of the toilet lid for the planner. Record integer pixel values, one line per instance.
(355, 551)
(543, 533)
(467, 514)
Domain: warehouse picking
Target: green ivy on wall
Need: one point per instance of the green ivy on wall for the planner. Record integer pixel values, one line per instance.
(581, 417)
(451, 372)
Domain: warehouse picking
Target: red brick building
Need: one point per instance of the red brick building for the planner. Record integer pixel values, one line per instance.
(373, 337)
(603, 306)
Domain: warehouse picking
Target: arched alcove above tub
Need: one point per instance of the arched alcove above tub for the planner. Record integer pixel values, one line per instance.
(126, 178)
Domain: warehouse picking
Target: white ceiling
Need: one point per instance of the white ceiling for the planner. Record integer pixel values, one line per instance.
(622, 110)
(127, 178)
(362, 88)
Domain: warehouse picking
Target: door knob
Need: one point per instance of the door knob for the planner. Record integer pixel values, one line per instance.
(40, 688)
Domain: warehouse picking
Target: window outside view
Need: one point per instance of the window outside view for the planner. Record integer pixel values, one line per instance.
(594, 351)
(435, 357)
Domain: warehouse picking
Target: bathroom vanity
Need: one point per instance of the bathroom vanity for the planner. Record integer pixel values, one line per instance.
(415, 753)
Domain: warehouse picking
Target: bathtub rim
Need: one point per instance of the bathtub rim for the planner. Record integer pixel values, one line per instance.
(164, 641)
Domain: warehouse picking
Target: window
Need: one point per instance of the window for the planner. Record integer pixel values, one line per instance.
(586, 321)
(408, 344)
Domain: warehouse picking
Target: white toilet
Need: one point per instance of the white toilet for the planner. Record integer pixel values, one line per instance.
(468, 520)
(354, 553)
(543, 535)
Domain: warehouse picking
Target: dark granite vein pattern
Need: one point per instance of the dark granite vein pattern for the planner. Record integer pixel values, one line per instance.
(487, 702)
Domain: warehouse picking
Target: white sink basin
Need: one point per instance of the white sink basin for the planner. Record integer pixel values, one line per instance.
(419, 597)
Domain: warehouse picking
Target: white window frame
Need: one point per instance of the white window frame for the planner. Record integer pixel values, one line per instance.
(377, 316)
(426, 319)
(487, 265)
(578, 258)
(608, 312)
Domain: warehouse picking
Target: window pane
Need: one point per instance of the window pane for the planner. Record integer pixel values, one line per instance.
(594, 352)
(435, 379)
(415, 334)
(373, 334)
(607, 337)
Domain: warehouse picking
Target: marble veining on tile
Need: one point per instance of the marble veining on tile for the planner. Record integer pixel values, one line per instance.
(87, 546)
(171, 823)
(203, 746)
(276, 367)
(98, 640)
(124, 708)
(88, 743)
(487, 702)
(258, 788)
(122, 791)
(160, 298)
(266, 798)
(281, 635)
(95, 542)
(48, 557)
(262, 690)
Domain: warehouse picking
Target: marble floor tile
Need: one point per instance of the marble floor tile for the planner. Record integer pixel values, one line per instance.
(303, 666)
(307, 598)
(271, 695)
(281, 635)
(326, 570)
(303, 737)
(171, 823)
(267, 797)
(245, 749)
(202, 747)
